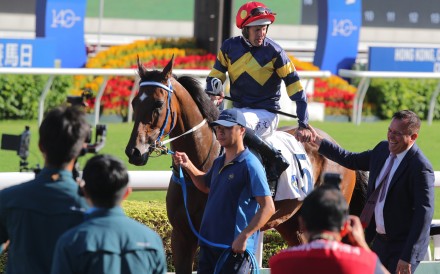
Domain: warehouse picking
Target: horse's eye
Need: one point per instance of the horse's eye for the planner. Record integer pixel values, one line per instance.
(158, 104)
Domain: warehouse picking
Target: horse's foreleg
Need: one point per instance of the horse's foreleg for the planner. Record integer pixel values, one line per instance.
(183, 241)
(184, 248)
(289, 230)
(284, 210)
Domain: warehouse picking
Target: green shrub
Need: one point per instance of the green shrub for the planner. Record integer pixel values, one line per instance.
(386, 96)
(19, 94)
(153, 214)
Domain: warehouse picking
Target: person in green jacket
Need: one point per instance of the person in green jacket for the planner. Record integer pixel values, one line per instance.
(108, 241)
(34, 214)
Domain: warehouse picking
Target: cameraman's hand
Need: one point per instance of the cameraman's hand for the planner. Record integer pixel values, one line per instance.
(356, 232)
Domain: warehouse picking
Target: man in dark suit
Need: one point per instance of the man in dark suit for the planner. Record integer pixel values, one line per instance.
(399, 227)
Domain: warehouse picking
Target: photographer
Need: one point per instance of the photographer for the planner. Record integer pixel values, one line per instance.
(325, 221)
(34, 214)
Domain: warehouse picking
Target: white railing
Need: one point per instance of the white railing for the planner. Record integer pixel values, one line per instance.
(139, 180)
(365, 78)
(159, 180)
(106, 73)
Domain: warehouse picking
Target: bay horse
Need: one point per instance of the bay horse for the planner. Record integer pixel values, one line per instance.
(180, 108)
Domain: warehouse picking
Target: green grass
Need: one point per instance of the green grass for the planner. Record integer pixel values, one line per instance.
(348, 135)
(288, 12)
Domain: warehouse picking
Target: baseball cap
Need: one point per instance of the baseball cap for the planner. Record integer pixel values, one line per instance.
(230, 117)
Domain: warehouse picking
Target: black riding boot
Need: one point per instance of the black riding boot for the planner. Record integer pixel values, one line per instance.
(273, 160)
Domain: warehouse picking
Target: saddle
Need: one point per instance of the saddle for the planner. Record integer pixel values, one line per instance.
(296, 181)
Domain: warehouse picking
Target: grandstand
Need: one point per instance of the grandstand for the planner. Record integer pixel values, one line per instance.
(125, 21)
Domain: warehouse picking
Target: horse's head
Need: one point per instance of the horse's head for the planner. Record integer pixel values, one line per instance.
(153, 116)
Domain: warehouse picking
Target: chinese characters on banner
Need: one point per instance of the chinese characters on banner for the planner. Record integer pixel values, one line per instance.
(26, 53)
(15, 55)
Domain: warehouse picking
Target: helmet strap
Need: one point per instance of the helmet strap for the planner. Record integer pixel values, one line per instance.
(245, 32)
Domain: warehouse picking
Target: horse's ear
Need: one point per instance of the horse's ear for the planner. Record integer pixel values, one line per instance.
(141, 68)
(168, 70)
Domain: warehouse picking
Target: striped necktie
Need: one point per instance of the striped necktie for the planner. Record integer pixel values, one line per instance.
(368, 210)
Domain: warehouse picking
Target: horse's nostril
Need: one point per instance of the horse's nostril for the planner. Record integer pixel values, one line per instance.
(132, 152)
(136, 152)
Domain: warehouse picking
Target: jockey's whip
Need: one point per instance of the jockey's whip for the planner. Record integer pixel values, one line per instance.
(268, 109)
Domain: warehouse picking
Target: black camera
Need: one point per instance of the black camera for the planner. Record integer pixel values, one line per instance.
(20, 144)
(333, 179)
(100, 136)
(80, 100)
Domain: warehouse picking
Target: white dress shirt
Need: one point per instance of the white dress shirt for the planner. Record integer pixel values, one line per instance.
(378, 210)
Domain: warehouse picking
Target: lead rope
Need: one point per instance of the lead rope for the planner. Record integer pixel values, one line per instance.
(255, 269)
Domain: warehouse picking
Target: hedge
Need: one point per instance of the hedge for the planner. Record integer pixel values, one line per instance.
(153, 214)
(386, 96)
(19, 94)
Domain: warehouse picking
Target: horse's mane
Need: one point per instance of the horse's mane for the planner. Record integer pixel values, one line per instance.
(195, 89)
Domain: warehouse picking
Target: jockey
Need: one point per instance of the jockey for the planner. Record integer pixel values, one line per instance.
(256, 65)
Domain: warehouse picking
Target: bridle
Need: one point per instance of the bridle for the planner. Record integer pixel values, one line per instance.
(159, 147)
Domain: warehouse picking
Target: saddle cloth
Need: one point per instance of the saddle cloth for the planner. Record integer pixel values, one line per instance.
(296, 182)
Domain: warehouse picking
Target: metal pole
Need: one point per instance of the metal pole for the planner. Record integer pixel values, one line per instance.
(43, 97)
(98, 99)
(101, 15)
(432, 104)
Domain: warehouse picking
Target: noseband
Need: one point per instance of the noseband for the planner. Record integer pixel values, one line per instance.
(158, 146)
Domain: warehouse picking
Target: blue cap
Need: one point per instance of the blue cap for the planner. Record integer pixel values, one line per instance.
(230, 117)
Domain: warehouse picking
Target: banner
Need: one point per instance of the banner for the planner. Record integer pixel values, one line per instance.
(338, 34)
(404, 59)
(63, 21)
(27, 53)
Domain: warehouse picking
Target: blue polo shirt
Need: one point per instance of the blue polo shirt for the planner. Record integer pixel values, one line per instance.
(231, 201)
(34, 214)
(109, 242)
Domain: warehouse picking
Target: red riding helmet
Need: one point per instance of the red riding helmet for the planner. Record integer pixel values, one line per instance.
(254, 14)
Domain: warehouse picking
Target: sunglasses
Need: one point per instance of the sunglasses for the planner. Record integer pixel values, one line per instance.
(260, 11)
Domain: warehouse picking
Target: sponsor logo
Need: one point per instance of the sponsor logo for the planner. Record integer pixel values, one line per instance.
(64, 18)
(343, 27)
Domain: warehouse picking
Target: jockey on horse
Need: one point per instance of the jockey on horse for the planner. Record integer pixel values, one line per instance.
(256, 66)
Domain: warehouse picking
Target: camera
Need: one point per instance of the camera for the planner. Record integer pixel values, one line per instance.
(80, 100)
(333, 179)
(100, 136)
(20, 144)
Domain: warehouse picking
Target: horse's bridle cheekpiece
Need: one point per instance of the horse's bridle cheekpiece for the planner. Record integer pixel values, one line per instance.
(159, 146)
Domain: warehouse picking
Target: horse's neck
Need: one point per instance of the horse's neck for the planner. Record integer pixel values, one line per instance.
(198, 144)
(188, 113)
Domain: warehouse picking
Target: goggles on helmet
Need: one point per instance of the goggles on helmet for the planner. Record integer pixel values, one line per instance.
(258, 12)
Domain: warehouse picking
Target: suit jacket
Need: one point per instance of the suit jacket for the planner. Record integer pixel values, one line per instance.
(409, 204)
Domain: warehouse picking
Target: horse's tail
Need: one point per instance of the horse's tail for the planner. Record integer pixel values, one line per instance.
(359, 197)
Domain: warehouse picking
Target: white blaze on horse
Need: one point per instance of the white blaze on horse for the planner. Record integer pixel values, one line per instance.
(179, 108)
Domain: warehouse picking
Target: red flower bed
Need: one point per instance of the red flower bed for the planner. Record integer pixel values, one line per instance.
(117, 92)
